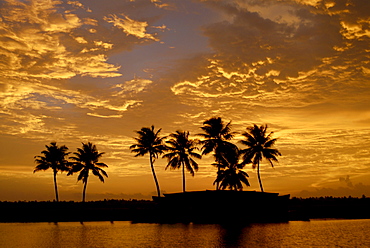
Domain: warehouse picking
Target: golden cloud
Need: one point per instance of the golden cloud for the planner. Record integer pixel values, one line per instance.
(37, 41)
(21, 104)
(130, 26)
(133, 86)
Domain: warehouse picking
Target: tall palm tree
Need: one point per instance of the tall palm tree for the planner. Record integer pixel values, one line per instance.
(181, 149)
(259, 145)
(53, 157)
(86, 160)
(216, 136)
(149, 142)
(231, 176)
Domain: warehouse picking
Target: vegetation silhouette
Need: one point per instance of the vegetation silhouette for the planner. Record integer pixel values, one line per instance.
(149, 142)
(86, 160)
(259, 145)
(216, 136)
(231, 175)
(196, 206)
(147, 211)
(53, 158)
(180, 152)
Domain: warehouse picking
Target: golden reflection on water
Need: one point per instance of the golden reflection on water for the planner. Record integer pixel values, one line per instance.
(331, 233)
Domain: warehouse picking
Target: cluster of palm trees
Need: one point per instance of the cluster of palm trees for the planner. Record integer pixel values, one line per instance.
(86, 159)
(180, 151)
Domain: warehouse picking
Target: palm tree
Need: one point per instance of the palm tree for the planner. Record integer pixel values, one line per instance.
(216, 138)
(181, 150)
(53, 157)
(259, 145)
(231, 176)
(149, 142)
(87, 158)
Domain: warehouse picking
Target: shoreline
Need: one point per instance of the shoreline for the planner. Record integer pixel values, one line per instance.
(188, 223)
(145, 211)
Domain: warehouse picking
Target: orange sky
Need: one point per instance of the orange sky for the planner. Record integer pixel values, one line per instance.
(78, 71)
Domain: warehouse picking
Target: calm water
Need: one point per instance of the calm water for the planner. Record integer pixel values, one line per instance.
(317, 233)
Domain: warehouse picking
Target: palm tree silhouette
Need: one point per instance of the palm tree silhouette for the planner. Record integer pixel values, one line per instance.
(53, 157)
(259, 145)
(87, 158)
(149, 142)
(180, 152)
(231, 176)
(216, 138)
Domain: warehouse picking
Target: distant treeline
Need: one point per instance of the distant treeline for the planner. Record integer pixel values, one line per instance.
(330, 207)
(52, 211)
(145, 210)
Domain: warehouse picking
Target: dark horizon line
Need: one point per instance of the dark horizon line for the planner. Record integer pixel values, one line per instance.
(150, 200)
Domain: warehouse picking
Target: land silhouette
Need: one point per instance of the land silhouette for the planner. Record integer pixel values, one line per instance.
(179, 149)
(147, 210)
(208, 206)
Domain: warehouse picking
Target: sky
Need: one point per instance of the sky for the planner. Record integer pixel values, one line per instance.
(97, 71)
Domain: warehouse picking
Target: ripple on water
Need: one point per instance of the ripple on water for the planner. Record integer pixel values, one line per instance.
(316, 233)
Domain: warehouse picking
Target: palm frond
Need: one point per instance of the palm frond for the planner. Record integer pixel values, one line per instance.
(87, 158)
(83, 174)
(259, 145)
(101, 164)
(180, 151)
(96, 172)
(53, 157)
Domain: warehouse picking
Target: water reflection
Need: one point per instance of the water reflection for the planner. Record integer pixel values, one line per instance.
(56, 236)
(343, 233)
(232, 236)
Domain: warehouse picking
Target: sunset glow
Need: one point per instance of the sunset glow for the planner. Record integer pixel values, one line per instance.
(97, 71)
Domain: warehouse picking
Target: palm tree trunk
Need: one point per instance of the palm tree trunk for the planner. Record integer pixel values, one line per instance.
(218, 183)
(259, 176)
(56, 186)
(183, 177)
(155, 177)
(84, 191)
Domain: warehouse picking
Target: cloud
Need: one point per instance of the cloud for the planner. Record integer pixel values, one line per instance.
(45, 44)
(22, 101)
(356, 191)
(301, 58)
(163, 4)
(38, 39)
(67, 74)
(347, 181)
(130, 26)
(133, 86)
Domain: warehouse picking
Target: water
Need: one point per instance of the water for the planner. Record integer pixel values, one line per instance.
(316, 233)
